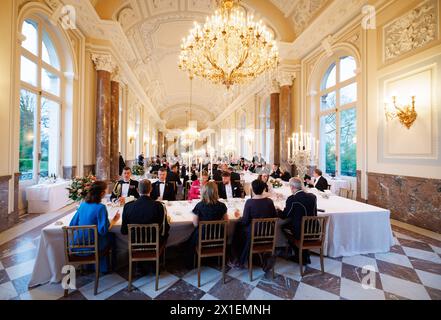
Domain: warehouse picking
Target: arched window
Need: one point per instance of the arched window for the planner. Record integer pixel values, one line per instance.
(338, 118)
(40, 102)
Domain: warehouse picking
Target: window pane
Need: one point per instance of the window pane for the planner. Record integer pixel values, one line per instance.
(347, 68)
(26, 154)
(28, 71)
(30, 31)
(50, 132)
(348, 142)
(328, 101)
(328, 142)
(50, 82)
(330, 78)
(49, 53)
(348, 94)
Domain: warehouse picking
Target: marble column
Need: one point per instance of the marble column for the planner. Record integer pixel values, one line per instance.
(114, 128)
(285, 113)
(275, 123)
(160, 143)
(104, 67)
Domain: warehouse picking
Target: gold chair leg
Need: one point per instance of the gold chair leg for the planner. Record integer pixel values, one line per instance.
(66, 292)
(301, 261)
(223, 267)
(322, 263)
(157, 275)
(130, 276)
(199, 271)
(97, 276)
(250, 266)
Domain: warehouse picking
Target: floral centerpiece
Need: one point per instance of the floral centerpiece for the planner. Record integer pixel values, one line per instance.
(276, 183)
(79, 187)
(138, 170)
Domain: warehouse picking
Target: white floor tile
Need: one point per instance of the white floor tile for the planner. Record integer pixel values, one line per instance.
(395, 258)
(361, 262)
(243, 275)
(354, 291)
(7, 291)
(208, 297)
(209, 277)
(436, 249)
(288, 269)
(404, 288)
(403, 236)
(108, 285)
(20, 270)
(51, 291)
(430, 279)
(307, 292)
(258, 294)
(422, 254)
(331, 266)
(147, 284)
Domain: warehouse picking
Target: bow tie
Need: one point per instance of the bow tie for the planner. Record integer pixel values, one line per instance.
(125, 182)
(161, 182)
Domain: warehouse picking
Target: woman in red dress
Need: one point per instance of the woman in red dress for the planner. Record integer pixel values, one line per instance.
(195, 189)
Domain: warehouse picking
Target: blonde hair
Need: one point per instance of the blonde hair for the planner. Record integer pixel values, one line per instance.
(209, 193)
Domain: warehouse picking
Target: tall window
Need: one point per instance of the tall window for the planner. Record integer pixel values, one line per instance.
(40, 102)
(338, 118)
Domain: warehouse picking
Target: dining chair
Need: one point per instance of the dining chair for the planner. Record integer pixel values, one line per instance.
(212, 242)
(346, 193)
(263, 240)
(81, 248)
(144, 245)
(313, 235)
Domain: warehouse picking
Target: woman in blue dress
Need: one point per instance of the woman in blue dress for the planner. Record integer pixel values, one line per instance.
(93, 212)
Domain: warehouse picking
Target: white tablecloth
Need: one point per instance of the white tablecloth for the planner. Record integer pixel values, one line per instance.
(337, 184)
(47, 197)
(354, 228)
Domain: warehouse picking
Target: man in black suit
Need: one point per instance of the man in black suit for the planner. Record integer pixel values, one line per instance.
(235, 177)
(155, 166)
(298, 205)
(228, 189)
(276, 174)
(126, 187)
(163, 190)
(145, 211)
(285, 175)
(173, 175)
(320, 183)
(217, 174)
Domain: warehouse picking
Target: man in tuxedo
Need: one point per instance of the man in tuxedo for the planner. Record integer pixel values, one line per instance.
(141, 159)
(163, 190)
(320, 182)
(217, 174)
(146, 211)
(298, 205)
(276, 174)
(173, 175)
(235, 177)
(228, 189)
(156, 166)
(126, 187)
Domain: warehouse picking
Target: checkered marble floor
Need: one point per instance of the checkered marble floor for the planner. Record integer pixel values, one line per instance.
(412, 270)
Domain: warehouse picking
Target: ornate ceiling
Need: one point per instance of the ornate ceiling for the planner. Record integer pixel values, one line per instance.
(154, 30)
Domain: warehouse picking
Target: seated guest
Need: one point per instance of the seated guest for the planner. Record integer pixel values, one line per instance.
(156, 166)
(173, 175)
(252, 168)
(235, 177)
(298, 205)
(195, 189)
(126, 187)
(209, 209)
(260, 207)
(163, 190)
(217, 174)
(265, 178)
(93, 213)
(145, 211)
(141, 159)
(229, 189)
(285, 175)
(320, 182)
(308, 181)
(275, 172)
(242, 164)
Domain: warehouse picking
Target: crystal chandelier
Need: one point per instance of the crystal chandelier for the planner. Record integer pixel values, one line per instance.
(191, 133)
(229, 48)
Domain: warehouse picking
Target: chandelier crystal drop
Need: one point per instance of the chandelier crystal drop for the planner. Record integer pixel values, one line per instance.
(230, 48)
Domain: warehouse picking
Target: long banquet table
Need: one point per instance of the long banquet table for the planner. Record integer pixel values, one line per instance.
(354, 228)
